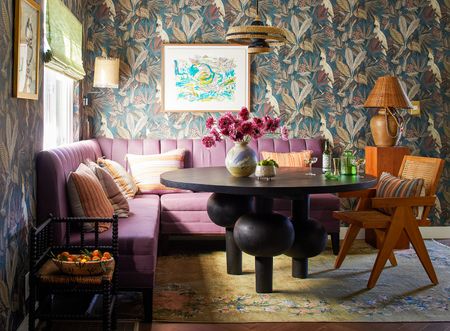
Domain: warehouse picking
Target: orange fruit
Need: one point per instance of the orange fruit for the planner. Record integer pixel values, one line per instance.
(96, 253)
(107, 255)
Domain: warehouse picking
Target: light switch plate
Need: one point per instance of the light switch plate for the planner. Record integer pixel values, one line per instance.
(416, 110)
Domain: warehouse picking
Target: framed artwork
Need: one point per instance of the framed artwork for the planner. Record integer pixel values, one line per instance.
(26, 49)
(205, 77)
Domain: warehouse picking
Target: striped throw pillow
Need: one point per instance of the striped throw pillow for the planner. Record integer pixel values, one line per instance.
(393, 187)
(122, 178)
(293, 159)
(115, 196)
(147, 170)
(87, 198)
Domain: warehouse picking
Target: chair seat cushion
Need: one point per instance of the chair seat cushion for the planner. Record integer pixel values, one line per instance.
(185, 201)
(368, 219)
(138, 234)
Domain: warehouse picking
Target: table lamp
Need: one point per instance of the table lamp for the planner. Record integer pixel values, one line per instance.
(387, 95)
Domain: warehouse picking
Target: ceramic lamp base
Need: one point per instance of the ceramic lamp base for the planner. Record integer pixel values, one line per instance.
(384, 134)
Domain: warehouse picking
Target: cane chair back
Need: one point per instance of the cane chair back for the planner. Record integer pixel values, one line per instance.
(427, 168)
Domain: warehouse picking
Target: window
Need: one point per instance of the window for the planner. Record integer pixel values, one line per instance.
(58, 109)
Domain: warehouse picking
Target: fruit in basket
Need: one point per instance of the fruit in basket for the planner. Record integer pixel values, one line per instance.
(87, 263)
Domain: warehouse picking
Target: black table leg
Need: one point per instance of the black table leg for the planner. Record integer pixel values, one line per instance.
(234, 254)
(224, 210)
(263, 234)
(300, 267)
(310, 237)
(264, 274)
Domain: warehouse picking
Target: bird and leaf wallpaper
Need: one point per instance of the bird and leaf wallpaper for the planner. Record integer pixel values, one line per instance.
(317, 84)
(21, 134)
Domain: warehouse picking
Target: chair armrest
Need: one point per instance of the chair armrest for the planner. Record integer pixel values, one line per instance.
(369, 193)
(405, 202)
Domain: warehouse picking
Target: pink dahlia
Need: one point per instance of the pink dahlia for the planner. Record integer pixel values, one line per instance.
(244, 114)
(208, 141)
(210, 122)
(247, 127)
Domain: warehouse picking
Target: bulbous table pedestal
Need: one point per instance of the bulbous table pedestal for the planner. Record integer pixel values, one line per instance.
(263, 234)
(310, 238)
(224, 210)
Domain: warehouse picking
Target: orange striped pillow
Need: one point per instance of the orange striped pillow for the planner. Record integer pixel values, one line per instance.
(87, 198)
(122, 178)
(147, 170)
(293, 159)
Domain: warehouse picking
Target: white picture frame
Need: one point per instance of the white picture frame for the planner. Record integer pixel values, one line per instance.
(205, 77)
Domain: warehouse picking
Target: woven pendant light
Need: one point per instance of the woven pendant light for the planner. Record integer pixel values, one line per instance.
(260, 38)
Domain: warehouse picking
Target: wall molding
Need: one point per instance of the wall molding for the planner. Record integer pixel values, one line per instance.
(428, 232)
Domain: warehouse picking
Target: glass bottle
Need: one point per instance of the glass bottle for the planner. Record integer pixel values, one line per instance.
(326, 157)
(348, 166)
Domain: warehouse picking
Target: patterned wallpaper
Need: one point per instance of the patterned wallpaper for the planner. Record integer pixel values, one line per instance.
(21, 133)
(317, 85)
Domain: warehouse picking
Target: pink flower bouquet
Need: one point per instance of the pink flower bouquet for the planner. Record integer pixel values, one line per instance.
(241, 128)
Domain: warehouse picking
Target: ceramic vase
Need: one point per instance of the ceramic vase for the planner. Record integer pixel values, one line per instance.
(241, 160)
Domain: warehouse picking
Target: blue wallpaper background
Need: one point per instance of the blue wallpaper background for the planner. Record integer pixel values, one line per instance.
(318, 84)
(21, 134)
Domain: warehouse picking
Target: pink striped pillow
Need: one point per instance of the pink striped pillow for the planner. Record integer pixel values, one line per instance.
(147, 170)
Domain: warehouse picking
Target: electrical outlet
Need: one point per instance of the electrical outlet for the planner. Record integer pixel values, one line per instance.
(415, 111)
(27, 285)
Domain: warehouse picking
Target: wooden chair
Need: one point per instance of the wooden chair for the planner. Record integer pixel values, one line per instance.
(389, 228)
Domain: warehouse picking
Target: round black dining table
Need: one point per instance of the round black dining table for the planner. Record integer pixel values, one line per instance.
(243, 205)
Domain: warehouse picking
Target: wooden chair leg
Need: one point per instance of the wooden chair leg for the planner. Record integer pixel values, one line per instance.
(380, 234)
(413, 233)
(391, 238)
(350, 236)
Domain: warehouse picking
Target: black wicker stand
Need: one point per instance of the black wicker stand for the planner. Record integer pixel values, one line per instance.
(47, 284)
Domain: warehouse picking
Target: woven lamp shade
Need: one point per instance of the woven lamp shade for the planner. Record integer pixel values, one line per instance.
(388, 93)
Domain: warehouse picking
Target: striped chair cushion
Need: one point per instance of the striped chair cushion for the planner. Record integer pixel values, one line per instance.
(293, 159)
(147, 170)
(122, 178)
(393, 187)
(87, 198)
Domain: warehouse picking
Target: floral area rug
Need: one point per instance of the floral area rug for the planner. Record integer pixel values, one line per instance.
(196, 288)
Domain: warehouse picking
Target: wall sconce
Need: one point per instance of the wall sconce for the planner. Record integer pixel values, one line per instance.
(106, 75)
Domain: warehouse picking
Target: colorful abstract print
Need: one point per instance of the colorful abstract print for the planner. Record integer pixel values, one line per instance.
(205, 79)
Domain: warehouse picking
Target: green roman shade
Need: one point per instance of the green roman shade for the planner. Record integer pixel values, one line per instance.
(64, 34)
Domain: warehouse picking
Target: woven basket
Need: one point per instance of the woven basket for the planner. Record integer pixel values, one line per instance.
(89, 268)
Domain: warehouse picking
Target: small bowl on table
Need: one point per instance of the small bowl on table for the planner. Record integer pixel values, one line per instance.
(266, 172)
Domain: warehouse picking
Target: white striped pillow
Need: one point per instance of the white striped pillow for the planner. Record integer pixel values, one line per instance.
(147, 170)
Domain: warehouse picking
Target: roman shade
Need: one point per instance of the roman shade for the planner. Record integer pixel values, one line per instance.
(64, 36)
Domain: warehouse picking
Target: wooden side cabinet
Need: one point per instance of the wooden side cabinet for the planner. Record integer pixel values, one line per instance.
(378, 160)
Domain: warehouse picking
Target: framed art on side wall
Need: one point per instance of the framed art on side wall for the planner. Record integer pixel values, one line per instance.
(26, 49)
(205, 77)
